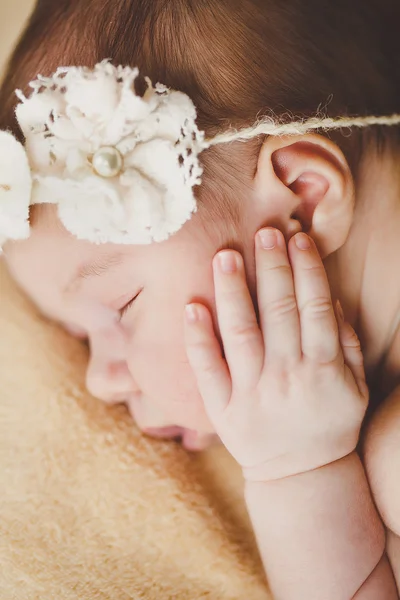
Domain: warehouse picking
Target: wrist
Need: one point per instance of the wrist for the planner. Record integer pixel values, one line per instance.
(283, 469)
(313, 520)
(320, 471)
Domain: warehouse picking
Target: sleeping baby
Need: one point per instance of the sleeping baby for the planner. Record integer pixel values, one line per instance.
(227, 243)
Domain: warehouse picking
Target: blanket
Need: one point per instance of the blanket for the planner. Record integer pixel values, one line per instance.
(90, 508)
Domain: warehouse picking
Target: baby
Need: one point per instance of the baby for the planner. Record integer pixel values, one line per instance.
(158, 287)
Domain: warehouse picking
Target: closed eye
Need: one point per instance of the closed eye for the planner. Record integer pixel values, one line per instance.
(127, 306)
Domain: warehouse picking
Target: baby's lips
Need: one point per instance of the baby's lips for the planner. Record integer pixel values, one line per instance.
(163, 432)
(191, 440)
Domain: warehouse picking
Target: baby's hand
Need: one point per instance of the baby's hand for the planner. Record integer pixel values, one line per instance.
(290, 395)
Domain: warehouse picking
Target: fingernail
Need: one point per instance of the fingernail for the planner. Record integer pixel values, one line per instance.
(228, 262)
(192, 314)
(302, 241)
(339, 311)
(267, 238)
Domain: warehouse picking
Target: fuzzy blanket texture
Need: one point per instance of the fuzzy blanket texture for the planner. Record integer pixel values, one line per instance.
(90, 509)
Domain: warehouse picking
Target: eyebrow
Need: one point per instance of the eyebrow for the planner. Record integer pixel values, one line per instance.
(92, 269)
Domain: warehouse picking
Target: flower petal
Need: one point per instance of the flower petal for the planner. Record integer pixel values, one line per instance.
(15, 189)
(94, 94)
(91, 209)
(166, 200)
(33, 113)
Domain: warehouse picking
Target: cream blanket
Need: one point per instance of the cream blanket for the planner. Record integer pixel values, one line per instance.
(90, 509)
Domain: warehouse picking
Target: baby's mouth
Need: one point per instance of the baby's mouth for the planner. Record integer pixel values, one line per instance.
(190, 440)
(164, 433)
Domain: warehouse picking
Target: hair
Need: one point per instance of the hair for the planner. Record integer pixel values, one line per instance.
(238, 60)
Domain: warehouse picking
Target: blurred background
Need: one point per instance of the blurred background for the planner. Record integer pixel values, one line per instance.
(13, 14)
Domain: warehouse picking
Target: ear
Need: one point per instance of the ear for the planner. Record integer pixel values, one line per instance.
(307, 182)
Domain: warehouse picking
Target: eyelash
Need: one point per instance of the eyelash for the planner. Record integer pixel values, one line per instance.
(127, 306)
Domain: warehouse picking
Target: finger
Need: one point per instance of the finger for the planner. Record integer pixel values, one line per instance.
(279, 316)
(319, 330)
(205, 358)
(241, 336)
(352, 353)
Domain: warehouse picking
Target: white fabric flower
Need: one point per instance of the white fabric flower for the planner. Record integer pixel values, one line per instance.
(15, 189)
(121, 167)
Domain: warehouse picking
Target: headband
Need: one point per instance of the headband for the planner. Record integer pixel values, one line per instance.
(120, 167)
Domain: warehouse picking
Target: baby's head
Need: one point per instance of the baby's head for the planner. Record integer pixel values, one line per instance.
(237, 61)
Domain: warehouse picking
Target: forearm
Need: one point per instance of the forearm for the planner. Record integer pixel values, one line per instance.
(319, 533)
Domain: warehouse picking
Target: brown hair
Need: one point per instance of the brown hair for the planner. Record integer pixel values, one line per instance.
(237, 60)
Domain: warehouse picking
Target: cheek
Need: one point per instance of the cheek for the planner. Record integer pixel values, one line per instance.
(159, 366)
(162, 368)
(157, 354)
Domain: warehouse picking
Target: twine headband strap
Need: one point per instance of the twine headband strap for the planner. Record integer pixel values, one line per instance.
(269, 126)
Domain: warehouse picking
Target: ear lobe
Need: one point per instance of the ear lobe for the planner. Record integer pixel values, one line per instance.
(314, 183)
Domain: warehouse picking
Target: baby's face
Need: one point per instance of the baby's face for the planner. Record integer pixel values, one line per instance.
(128, 301)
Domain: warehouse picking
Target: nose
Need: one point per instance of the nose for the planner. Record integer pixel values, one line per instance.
(110, 381)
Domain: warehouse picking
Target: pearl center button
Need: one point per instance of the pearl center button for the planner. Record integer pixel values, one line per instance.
(108, 162)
